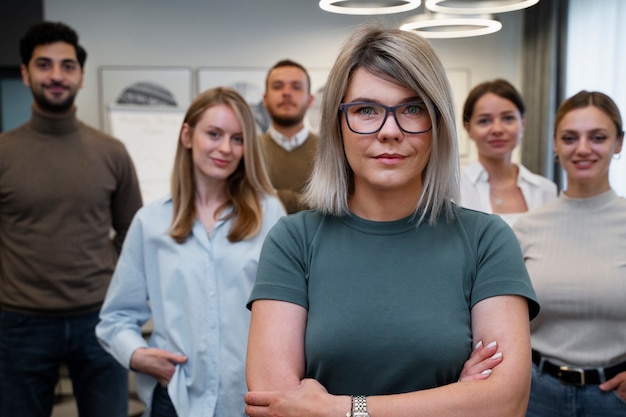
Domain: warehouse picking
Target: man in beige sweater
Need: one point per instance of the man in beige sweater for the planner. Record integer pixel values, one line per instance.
(288, 145)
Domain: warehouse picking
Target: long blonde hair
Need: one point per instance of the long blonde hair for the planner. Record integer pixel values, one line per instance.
(410, 61)
(244, 187)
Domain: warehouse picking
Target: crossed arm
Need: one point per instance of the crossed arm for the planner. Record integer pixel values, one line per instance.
(275, 369)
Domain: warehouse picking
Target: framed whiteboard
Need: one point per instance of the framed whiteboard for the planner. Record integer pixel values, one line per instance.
(151, 137)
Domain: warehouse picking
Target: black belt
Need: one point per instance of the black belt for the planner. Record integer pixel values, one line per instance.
(577, 376)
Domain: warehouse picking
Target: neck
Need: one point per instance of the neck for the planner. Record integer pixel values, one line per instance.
(209, 194)
(499, 170)
(578, 189)
(288, 131)
(384, 206)
(53, 114)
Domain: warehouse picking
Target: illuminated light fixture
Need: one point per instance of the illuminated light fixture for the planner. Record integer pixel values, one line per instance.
(365, 7)
(446, 27)
(478, 6)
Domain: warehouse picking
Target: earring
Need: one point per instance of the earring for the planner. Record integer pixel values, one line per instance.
(617, 156)
(556, 158)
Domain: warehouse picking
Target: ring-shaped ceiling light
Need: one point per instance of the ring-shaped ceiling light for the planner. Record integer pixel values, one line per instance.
(453, 27)
(478, 6)
(364, 7)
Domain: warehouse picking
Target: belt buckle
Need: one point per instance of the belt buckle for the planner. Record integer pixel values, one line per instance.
(579, 371)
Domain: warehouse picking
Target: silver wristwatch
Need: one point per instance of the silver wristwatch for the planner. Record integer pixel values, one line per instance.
(359, 406)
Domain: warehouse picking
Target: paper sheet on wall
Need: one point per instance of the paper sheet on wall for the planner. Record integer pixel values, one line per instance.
(150, 135)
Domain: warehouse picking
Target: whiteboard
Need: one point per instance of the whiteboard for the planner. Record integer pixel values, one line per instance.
(150, 135)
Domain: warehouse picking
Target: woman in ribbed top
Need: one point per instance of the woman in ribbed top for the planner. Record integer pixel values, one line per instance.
(575, 252)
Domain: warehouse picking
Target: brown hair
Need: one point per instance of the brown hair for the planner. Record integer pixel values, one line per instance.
(289, 63)
(501, 88)
(591, 98)
(244, 186)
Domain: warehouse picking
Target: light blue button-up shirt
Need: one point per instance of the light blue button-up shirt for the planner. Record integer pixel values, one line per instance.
(196, 294)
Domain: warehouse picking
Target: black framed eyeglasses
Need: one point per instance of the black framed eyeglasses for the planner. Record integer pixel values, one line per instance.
(366, 118)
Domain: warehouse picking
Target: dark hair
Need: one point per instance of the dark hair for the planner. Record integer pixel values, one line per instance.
(596, 99)
(499, 87)
(44, 33)
(289, 63)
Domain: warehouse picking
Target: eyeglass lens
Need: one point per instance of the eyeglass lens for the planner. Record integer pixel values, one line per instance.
(368, 118)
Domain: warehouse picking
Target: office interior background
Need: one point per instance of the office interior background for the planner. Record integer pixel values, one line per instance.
(244, 34)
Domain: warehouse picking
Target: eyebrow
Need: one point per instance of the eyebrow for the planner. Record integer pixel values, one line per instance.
(370, 100)
(63, 61)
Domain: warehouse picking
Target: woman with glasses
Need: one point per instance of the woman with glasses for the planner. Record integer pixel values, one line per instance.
(372, 302)
(493, 116)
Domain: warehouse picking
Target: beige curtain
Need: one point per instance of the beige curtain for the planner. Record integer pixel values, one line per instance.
(543, 80)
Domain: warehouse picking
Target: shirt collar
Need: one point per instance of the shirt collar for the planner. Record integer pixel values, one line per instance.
(476, 172)
(288, 143)
(54, 124)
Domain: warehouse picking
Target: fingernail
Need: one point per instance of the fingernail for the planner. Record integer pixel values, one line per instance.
(492, 344)
(478, 345)
(486, 372)
(497, 356)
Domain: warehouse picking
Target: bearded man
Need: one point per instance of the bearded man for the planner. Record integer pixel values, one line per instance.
(288, 145)
(68, 193)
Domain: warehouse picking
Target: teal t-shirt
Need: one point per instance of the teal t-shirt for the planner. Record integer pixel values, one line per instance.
(388, 302)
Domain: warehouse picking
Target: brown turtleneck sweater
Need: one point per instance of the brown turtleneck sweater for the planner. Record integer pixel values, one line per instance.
(64, 187)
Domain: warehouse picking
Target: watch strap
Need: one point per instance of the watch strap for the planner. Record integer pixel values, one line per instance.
(359, 406)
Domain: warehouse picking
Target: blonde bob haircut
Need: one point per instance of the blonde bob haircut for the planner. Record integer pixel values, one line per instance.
(408, 60)
(244, 187)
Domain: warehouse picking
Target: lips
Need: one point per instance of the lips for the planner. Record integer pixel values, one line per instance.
(55, 89)
(497, 143)
(389, 158)
(583, 164)
(221, 163)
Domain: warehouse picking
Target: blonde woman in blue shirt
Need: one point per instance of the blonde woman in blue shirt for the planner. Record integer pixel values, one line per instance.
(189, 262)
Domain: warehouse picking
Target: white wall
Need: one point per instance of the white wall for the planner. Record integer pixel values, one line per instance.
(247, 33)
(596, 61)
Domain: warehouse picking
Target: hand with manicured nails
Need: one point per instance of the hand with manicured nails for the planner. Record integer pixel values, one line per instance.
(481, 361)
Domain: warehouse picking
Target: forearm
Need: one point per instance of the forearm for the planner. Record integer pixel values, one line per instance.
(464, 399)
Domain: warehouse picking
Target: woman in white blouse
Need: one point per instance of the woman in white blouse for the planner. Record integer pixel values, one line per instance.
(493, 116)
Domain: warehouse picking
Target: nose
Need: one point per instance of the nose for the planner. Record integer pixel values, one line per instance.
(225, 146)
(390, 128)
(496, 125)
(583, 146)
(56, 72)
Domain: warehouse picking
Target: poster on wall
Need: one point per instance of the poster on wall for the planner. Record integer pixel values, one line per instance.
(250, 83)
(144, 107)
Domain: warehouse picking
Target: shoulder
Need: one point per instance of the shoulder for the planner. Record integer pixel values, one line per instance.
(473, 172)
(539, 219)
(157, 212)
(11, 136)
(477, 221)
(300, 225)
(536, 179)
(102, 139)
(272, 207)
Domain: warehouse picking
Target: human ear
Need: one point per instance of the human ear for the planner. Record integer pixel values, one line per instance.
(185, 135)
